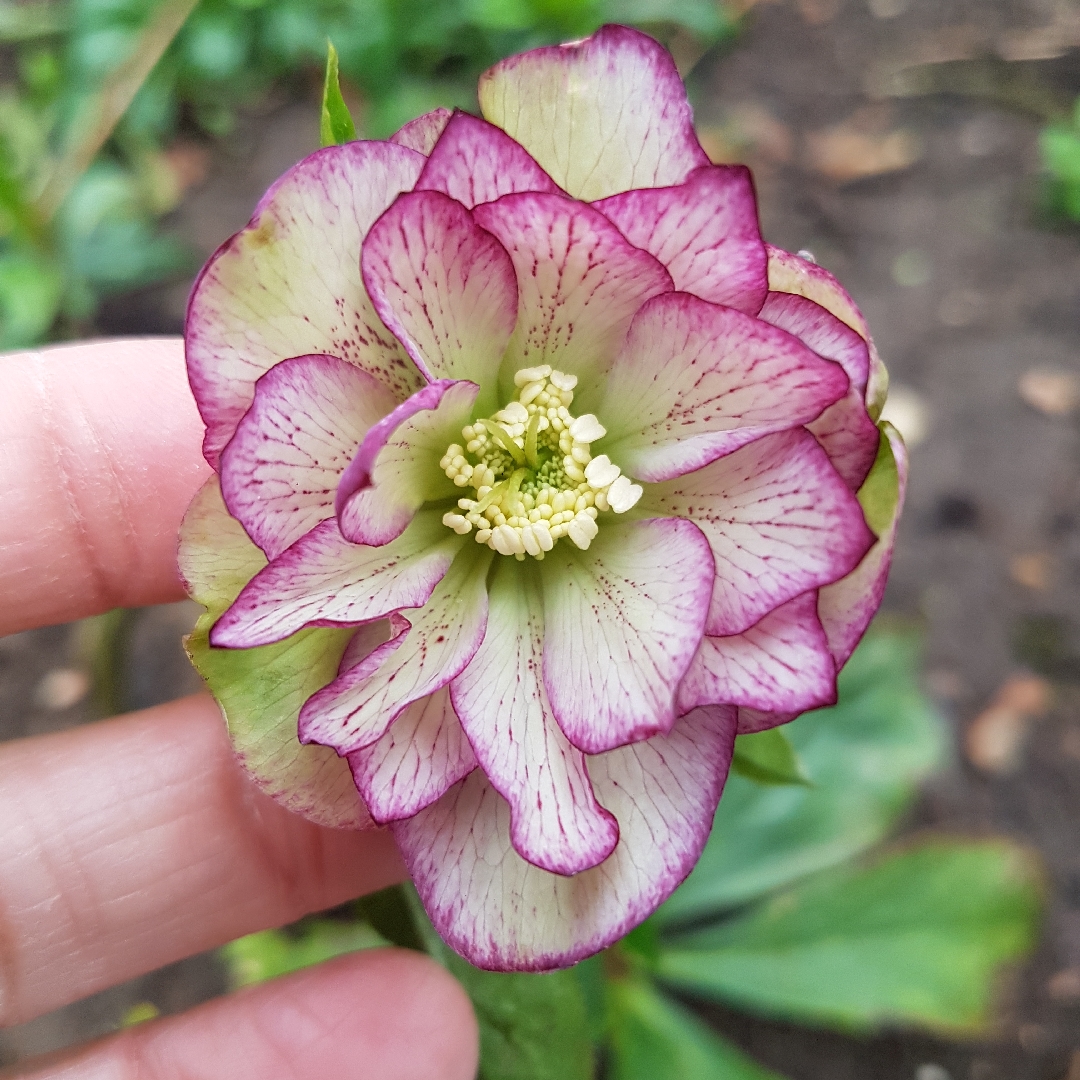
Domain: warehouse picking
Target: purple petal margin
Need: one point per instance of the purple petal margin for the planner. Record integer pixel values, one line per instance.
(504, 914)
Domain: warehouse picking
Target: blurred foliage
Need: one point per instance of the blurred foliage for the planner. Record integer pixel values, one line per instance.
(784, 916)
(1059, 145)
(74, 231)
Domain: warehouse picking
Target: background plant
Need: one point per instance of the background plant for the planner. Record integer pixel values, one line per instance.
(96, 90)
(794, 912)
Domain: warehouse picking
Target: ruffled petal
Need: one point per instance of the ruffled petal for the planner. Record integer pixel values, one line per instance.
(431, 647)
(475, 162)
(792, 274)
(260, 691)
(416, 762)
(289, 284)
(502, 913)
(704, 231)
(847, 606)
(848, 436)
(323, 580)
(443, 285)
(423, 133)
(696, 381)
(782, 663)
(821, 331)
(623, 621)
(779, 520)
(396, 469)
(580, 283)
(601, 115)
(555, 820)
(845, 429)
(754, 720)
(280, 470)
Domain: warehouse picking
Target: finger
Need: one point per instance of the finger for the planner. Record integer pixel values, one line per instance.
(101, 458)
(382, 1015)
(132, 843)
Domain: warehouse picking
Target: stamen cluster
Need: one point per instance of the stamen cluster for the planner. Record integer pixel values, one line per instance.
(533, 472)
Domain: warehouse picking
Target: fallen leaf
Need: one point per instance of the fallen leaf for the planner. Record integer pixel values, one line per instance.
(1050, 390)
(62, 688)
(843, 153)
(994, 740)
(1032, 571)
(817, 12)
(189, 162)
(1064, 986)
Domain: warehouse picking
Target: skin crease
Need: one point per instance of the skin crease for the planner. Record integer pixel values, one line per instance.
(134, 842)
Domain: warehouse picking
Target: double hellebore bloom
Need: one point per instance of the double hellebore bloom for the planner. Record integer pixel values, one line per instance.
(539, 476)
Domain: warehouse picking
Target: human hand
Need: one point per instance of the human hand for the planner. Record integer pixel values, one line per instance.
(135, 842)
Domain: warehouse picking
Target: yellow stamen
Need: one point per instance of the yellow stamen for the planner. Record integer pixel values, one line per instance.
(534, 477)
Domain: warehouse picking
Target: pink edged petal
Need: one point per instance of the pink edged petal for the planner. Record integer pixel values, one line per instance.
(782, 663)
(705, 231)
(367, 638)
(474, 162)
(323, 580)
(580, 283)
(555, 820)
(753, 720)
(601, 115)
(423, 133)
(821, 331)
(396, 469)
(502, 913)
(289, 284)
(696, 381)
(416, 762)
(780, 522)
(849, 437)
(280, 470)
(431, 646)
(792, 274)
(443, 285)
(260, 691)
(623, 621)
(847, 606)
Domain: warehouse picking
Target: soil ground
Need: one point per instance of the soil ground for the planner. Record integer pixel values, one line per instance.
(925, 205)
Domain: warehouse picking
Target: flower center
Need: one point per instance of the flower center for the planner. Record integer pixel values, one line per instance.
(534, 477)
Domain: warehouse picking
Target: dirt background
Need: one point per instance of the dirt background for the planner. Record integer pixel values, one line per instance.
(919, 187)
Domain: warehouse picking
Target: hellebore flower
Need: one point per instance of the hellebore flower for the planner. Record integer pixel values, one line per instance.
(539, 477)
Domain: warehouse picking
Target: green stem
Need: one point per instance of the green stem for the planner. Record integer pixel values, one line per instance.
(101, 643)
(102, 111)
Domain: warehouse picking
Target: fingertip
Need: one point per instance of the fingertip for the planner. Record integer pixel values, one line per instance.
(428, 1021)
(389, 1014)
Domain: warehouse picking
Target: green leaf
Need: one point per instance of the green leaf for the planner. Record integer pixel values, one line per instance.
(769, 758)
(707, 19)
(653, 1038)
(26, 21)
(30, 293)
(389, 912)
(864, 756)
(532, 1026)
(336, 124)
(919, 937)
(270, 953)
